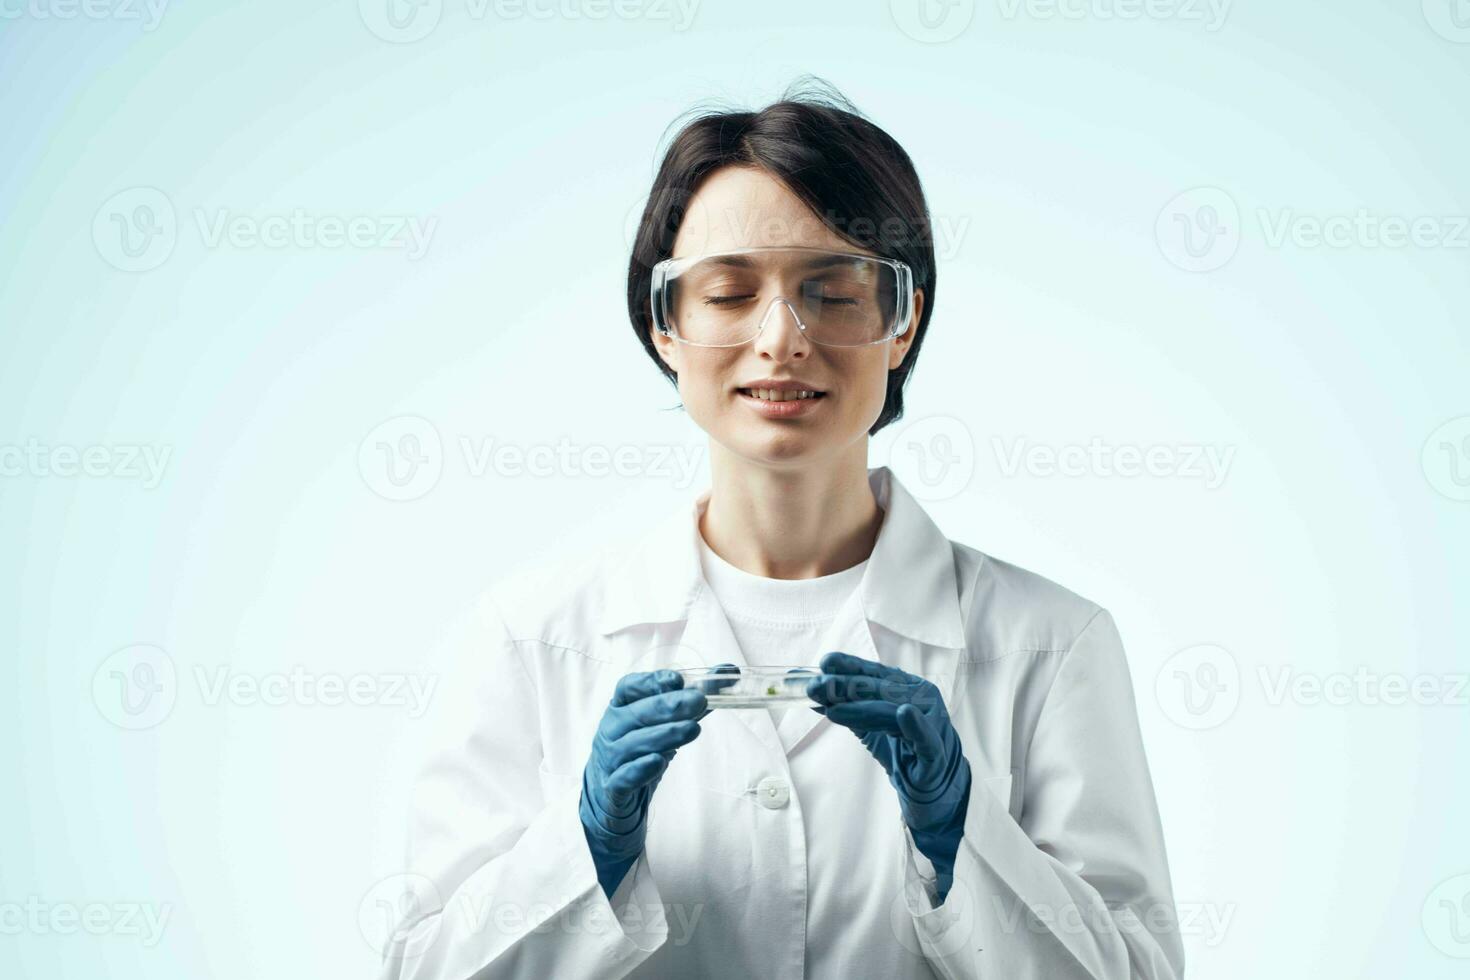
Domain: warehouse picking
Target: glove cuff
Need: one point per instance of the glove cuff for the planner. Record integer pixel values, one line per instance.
(615, 836)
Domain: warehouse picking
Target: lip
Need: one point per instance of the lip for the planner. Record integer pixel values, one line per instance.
(781, 410)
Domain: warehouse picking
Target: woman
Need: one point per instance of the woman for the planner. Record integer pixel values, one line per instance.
(969, 795)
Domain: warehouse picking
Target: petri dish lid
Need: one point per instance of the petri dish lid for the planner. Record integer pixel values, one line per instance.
(751, 687)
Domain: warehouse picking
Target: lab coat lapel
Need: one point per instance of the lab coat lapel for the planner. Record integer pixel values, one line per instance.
(847, 632)
(708, 638)
(851, 632)
(905, 611)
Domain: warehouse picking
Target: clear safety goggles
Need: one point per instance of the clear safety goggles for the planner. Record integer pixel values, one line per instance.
(838, 299)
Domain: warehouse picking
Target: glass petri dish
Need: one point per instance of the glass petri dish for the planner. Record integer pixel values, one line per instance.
(751, 687)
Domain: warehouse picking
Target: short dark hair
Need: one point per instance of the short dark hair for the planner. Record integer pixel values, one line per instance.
(853, 175)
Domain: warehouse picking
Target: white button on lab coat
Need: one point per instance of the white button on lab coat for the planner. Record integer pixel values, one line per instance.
(773, 793)
(787, 857)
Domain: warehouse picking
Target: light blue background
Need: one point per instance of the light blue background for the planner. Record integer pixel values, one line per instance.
(1053, 142)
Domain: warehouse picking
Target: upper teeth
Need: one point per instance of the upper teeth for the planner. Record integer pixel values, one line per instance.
(775, 395)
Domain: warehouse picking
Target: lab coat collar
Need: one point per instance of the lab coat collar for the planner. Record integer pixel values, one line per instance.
(909, 585)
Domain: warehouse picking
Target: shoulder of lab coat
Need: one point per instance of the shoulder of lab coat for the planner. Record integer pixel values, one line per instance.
(1008, 609)
(1086, 856)
(556, 604)
(503, 858)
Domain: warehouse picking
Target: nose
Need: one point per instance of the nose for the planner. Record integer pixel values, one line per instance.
(780, 333)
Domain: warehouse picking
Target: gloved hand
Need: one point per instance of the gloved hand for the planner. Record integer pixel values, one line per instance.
(902, 720)
(647, 721)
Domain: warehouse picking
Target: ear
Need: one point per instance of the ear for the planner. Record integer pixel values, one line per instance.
(667, 347)
(899, 349)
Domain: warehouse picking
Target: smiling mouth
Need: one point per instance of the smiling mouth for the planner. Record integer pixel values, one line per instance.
(783, 396)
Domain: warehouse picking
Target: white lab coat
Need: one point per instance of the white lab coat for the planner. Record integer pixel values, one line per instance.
(763, 861)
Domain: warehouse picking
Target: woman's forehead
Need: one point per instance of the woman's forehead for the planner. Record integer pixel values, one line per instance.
(743, 207)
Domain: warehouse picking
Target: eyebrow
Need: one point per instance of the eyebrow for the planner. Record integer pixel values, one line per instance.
(816, 262)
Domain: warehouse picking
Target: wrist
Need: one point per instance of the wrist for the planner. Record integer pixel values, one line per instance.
(612, 853)
(611, 868)
(611, 837)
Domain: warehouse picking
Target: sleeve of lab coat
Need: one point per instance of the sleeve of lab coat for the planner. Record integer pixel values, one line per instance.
(1079, 888)
(501, 880)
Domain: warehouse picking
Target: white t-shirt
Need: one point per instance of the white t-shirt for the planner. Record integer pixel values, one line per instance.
(777, 621)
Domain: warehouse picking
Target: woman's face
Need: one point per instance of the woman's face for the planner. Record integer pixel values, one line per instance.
(743, 207)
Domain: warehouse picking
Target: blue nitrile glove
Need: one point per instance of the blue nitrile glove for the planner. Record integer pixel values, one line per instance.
(647, 721)
(902, 721)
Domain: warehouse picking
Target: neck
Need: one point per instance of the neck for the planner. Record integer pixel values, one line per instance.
(799, 522)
